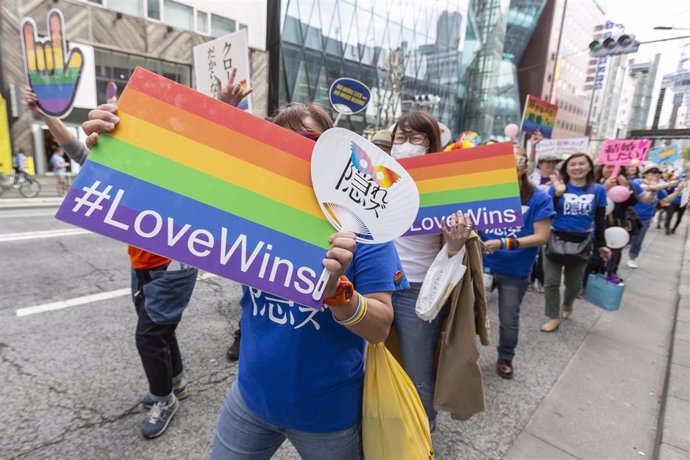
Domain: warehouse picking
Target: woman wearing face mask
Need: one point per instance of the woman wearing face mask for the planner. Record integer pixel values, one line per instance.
(580, 206)
(510, 268)
(417, 133)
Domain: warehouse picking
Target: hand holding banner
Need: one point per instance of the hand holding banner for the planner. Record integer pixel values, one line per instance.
(53, 71)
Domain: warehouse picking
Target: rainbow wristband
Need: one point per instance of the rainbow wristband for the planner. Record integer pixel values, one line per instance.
(357, 316)
(509, 244)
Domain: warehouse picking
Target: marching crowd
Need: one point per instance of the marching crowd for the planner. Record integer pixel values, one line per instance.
(374, 289)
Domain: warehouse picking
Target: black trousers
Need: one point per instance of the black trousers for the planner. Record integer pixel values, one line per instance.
(670, 211)
(156, 343)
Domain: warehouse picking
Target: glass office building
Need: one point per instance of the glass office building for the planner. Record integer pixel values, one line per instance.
(492, 96)
(398, 48)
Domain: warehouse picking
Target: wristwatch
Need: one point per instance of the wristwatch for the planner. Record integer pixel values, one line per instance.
(343, 294)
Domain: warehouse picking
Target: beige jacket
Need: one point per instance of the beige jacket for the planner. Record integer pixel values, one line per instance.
(459, 386)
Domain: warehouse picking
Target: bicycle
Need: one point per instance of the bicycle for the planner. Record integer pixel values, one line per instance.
(27, 185)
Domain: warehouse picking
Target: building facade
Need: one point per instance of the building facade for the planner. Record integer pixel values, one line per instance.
(398, 48)
(116, 37)
(570, 93)
(643, 75)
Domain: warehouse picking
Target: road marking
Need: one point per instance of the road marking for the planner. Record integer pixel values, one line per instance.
(42, 234)
(18, 214)
(62, 304)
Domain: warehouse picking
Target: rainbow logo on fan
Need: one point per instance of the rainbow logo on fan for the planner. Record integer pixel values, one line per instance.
(53, 70)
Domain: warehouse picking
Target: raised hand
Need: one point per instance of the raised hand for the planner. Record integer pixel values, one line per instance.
(53, 71)
(231, 93)
(558, 185)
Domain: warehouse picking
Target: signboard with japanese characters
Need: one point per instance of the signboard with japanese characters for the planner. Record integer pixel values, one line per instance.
(539, 115)
(216, 58)
(563, 147)
(362, 189)
(624, 152)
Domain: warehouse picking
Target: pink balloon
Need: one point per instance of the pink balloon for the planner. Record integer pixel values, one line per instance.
(618, 194)
(511, 130)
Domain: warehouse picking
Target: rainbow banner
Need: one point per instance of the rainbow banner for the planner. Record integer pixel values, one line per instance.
(53, 70)
(665, 154)
(480, 181)
(539, 115)
(191, 178)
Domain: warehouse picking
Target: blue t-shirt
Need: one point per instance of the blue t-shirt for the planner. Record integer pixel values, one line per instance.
(576, 208)
(300, 369)
(518, 263)
(645, 210)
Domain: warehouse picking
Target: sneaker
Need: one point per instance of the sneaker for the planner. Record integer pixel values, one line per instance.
(632, 263)
(179, 389)
(159, 417)
(233, 353)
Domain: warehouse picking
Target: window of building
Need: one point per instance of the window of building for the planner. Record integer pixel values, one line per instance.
(100, 2)
(118, 67)
(153, 9)
(221, 26)
(133, 7)
(179, 15)
(201, 22)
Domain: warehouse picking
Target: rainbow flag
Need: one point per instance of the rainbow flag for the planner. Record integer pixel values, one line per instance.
(191, 178)
(480, 181)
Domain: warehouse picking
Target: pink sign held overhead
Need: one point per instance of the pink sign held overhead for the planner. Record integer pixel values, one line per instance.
(624, 152)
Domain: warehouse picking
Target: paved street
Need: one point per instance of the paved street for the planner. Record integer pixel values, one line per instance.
(72, 378)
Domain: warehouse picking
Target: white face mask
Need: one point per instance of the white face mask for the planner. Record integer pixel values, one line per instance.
(406, 150)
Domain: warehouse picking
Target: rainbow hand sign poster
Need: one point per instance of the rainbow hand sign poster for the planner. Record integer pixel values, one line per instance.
(52, 70)
(193, 179)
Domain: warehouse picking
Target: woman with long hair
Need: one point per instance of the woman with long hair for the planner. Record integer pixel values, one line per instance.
(509, 256)
(417, 133)
(580, 206)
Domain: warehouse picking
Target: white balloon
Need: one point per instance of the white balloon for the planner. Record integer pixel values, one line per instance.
(616, 237)
(609, 205)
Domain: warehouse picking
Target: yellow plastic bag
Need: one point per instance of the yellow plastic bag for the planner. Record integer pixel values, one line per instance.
(394, 424)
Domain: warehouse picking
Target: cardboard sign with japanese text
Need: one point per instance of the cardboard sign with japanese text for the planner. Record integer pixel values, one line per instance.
(216, 58)
(665, 154)
(480, 181)
(361, 188)
(538, 115)
(191, 178)
(624, 152)
(563, 147)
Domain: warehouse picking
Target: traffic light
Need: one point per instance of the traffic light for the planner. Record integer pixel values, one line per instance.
(611, 46)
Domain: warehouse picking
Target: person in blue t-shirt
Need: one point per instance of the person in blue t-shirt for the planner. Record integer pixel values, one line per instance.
(650, 191)
(509, 256)
(580, 206)
(677, 208)
(301, 371)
